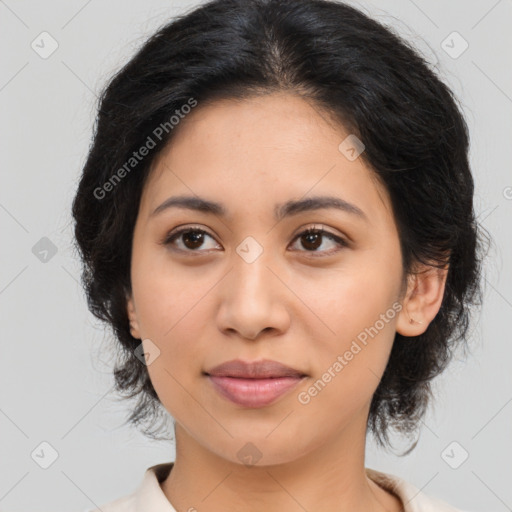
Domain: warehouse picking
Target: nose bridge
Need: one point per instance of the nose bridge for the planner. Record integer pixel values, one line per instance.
(251, 262)
(252, 298)
(252, 293)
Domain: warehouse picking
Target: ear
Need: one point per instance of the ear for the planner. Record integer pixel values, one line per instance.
(425, 291)
(132, 317)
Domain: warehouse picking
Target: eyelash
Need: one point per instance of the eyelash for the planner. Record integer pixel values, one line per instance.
(172, 236)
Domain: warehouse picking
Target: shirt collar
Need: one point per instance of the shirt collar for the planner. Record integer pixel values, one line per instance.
(150, 496)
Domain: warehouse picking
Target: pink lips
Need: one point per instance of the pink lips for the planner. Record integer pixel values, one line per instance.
(253, 384)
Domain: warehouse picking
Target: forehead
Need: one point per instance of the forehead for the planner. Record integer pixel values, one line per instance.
(278, 121)
(276, 146)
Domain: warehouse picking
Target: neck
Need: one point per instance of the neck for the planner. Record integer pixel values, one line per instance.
(330, 478)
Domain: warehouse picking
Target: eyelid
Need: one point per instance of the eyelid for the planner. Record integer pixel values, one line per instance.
(178, 230)
(341, 240)
(315, 227)
(187, 227)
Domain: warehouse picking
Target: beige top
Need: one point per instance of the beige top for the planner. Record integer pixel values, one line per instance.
(149, 497)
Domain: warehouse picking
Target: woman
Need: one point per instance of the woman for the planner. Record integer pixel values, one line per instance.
(276, 219)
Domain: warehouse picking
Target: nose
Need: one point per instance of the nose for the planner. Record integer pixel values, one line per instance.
(253, 298)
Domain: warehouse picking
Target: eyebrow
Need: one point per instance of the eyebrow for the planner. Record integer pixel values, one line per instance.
(287, 209)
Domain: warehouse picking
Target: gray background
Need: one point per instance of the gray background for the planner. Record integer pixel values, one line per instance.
(55, 365)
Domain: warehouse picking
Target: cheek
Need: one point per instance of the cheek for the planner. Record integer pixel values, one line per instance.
(348, 368)
(166, 295)
(175, 372)
(170, 311)
(350, 299)
(354, 311)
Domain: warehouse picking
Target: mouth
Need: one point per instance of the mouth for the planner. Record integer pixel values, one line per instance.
(255, 384)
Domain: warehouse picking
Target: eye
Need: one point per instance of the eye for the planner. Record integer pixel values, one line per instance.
(190, 238)
(313, 238)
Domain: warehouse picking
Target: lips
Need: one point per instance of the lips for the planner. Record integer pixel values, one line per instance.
(265, 369)
(255, 384)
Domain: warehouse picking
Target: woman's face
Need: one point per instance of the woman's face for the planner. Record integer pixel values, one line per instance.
(252, 287)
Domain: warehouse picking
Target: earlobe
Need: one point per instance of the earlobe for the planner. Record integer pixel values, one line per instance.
(132, 317)
(422, 301)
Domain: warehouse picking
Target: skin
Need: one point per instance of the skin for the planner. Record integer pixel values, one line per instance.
(209, 306)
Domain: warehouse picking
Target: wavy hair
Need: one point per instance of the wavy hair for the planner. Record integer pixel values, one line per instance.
(366, 78)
